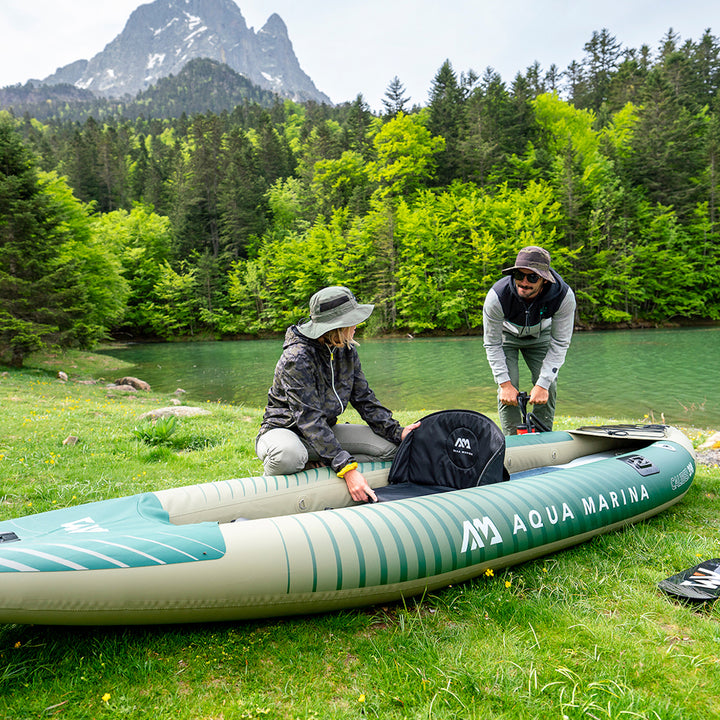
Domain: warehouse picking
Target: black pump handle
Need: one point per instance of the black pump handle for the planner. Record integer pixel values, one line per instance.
(533, 424)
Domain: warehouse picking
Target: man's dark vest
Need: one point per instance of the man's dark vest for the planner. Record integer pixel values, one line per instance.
(530, 314)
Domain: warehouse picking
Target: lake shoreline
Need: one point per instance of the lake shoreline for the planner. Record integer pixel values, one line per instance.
(79, 366)
(95, 368)
(632, 374)
(124, 339)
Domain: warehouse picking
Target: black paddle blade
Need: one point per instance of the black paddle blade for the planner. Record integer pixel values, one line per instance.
(700, 583)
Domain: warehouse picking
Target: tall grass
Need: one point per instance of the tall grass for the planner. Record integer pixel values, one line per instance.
(581, 634)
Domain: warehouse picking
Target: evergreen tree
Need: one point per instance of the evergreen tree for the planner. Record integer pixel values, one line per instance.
(395, 101)
(632, 169)
(96, 165)
(553, 79)
(627, 83)
(575, 84)
(602, 56)
(25, 258)
(705, 59)
(357, 127)
(666, 158)
(274, 154)
(197, 212)
(520, 130)
(242, 191)
(81, 162)
(535, 80)
(668, 44)
(153, 185)
(447, 119)
(491, 132)
(712, 171)
(56, 286)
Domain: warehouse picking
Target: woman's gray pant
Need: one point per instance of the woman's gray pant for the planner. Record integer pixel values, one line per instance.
(533, 352)
(283, 452)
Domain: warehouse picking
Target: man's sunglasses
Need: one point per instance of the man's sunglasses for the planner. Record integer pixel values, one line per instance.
(519, 275)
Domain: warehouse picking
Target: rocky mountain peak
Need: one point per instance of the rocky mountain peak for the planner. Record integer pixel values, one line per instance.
(275, 26)
(161, 37)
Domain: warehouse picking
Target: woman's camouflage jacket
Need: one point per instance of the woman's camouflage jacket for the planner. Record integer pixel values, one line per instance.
(312, 386)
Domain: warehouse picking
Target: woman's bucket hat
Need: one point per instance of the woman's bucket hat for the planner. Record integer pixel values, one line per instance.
(331, 308)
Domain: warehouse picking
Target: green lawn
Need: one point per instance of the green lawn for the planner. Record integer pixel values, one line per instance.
(581, 634)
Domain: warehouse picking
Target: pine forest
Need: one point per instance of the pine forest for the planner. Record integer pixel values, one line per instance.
(135, 221)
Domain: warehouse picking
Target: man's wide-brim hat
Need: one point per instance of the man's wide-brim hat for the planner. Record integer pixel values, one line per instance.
(332, 308)
(533, 258)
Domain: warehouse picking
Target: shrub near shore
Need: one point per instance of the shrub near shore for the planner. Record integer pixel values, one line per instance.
(583, 633)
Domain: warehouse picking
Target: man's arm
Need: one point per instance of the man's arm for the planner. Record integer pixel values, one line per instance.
(493, 318)
(563, 323)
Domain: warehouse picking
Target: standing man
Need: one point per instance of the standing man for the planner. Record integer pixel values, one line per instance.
(530, 311)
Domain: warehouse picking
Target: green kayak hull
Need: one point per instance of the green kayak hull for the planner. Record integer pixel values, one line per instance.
(271, 546)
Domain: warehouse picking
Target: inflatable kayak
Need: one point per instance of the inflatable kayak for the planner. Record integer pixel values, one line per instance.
(270, 546)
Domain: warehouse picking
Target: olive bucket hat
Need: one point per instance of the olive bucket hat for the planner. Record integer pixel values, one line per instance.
(331, 308)
(533, 258)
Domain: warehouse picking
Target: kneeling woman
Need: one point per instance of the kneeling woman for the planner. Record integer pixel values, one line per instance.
(317, 375)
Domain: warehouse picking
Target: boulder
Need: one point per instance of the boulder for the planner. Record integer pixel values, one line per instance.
(134, 382)
(181, 411)
(121, 388)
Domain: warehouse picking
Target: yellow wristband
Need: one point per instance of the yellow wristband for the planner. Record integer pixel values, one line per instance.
(347, 469)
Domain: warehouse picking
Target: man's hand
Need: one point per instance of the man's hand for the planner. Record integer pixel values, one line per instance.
(508, 393)
(539, 395)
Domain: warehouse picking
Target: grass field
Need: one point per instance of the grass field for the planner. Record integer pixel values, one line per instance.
(581, 634)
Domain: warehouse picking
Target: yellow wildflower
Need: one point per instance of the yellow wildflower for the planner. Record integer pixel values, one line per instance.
(106, 697)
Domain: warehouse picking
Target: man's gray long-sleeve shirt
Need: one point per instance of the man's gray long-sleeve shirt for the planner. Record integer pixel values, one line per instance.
(552, 313)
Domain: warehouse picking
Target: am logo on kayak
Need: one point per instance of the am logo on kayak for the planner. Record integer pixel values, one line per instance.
(83, 525)
(480, 532)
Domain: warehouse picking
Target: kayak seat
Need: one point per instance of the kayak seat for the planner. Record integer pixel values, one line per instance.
(450, 450)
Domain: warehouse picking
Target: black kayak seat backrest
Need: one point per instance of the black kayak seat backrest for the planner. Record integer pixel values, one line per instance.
(450, 450)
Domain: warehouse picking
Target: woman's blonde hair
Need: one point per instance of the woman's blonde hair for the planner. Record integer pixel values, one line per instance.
(339, 337)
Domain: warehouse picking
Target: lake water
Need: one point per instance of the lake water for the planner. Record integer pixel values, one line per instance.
(626, 374)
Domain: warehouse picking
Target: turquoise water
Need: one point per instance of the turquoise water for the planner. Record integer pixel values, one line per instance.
(672, 374)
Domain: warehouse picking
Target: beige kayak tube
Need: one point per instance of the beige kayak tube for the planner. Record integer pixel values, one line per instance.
(270, 546)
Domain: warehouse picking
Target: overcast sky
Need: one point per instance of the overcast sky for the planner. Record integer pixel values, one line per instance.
(349, 47)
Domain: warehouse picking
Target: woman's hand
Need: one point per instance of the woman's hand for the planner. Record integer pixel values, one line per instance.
(357, 485)
(408, 429)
